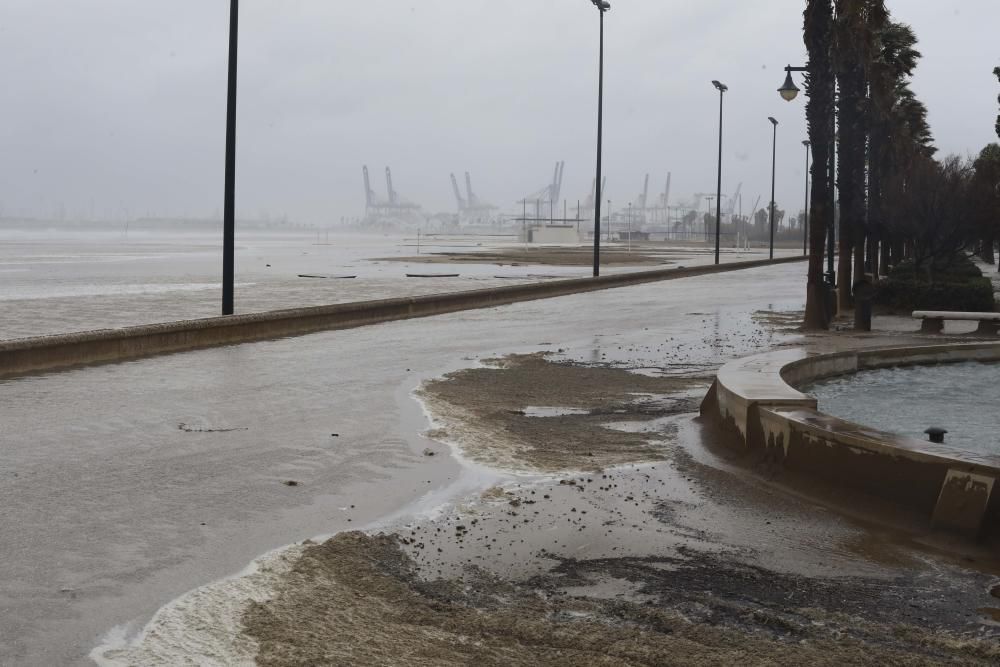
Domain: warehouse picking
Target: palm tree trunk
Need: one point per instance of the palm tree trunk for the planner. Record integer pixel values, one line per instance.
(885, 261)
(850, 66)
(987, 253)
(820, 84)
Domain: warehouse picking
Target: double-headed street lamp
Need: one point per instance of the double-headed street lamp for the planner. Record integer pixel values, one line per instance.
(229, 195)
(722, 88)
(805, 210)
(602, 6)
(774, 155)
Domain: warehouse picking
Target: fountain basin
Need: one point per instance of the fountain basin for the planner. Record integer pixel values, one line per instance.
(759, 399)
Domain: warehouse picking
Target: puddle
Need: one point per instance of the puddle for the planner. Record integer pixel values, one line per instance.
(537, 411)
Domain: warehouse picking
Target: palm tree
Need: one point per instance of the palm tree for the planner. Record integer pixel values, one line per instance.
(996, 72)
(852, 54)
(820, 84)
(899, 129)
(895, 58)
(985, 195)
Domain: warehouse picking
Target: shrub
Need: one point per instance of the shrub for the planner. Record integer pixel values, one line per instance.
(955, 283)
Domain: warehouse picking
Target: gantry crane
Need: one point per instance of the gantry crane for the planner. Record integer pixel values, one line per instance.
(549, 194)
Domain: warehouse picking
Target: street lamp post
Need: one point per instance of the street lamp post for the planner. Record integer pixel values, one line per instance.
(774, 155)
(805, 210)
(789, 91)
(629, 224)
(708, 214)
(229, 196)
(609, 221)
(722, 88)
(602, 6)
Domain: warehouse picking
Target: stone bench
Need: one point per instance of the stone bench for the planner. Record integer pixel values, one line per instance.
(932, 321)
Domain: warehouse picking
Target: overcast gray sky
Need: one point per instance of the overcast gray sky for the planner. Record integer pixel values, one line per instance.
(115, 105)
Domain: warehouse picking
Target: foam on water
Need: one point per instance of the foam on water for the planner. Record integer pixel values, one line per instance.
(204, 626)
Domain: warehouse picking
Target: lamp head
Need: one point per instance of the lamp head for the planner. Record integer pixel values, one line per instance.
(602, 5)
(721, 87)
(773, 121)
(806, 143)
(788, 91)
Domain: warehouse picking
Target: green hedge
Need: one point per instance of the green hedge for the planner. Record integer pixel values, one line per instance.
(957, 284)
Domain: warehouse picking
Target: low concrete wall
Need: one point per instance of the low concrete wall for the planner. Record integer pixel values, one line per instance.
(29, 355)
(758, 398)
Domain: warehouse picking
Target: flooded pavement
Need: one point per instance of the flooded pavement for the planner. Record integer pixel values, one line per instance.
(59, 282)
(126, 485)
(112, 509)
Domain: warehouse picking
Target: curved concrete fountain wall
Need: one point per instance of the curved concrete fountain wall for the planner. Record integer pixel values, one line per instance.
(758, 399)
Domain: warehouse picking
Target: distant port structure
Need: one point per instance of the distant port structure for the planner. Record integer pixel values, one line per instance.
(471, 208)
(549, 194)
(538, 214)
(391, 208)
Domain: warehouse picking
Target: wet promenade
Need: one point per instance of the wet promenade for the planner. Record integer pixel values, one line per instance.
(127, 485)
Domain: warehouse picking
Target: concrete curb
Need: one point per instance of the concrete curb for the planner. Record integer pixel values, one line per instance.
(46, 353)
(758, 399)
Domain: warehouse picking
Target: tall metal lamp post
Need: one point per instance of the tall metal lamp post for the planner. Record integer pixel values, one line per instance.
(805, 210)
(722, 88)
(774, 155)
(602, 6)
(229, 204)
(608, 233)
(629, 227)
(789, 91)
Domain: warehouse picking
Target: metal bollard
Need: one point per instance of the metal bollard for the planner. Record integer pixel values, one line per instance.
(864, 292)
(935, 434)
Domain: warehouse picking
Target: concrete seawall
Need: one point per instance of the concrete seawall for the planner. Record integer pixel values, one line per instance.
(46, 353)
(757, 397)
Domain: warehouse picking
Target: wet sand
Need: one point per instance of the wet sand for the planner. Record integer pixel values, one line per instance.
(544, 255)
(613, 254)
(491, 411)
